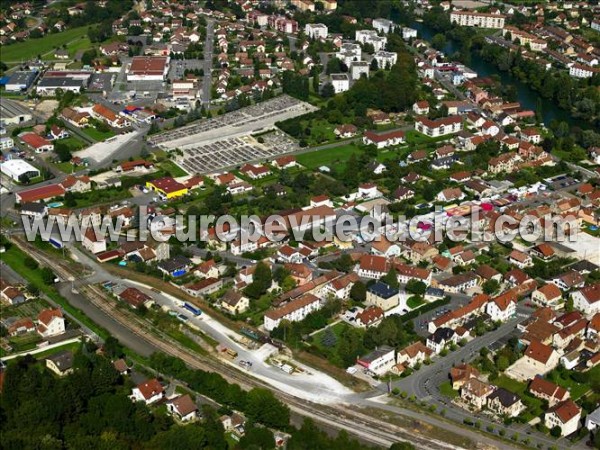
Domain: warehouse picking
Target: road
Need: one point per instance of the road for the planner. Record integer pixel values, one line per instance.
(424, 384)
(208, 62)
(339, 416)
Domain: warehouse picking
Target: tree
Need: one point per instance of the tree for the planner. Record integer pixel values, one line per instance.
(257, 438)
(490, 286)
(70, 200)
(261, 281)
(358, 292)
(63, 152)
(31, 263)
(47, 275)
(263, 407)
(556, 431)
(391, 278)
(327, 91)
(438, 41)
(416, 287)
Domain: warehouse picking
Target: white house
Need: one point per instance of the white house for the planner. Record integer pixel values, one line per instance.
(358, 69)
(385, 59)
(565, 415)
(316, 30)
(379, 361)
(384, 25)
(548, 295)
(592, 420)
(340, 82)
(148, 392)
(582, 71)
(441, 338)
(587, 299)
(438, 127)
(385, 139)
(502, 308)
(476, 19)
(293, 311)
(93, 241)
(183, 407)
(50, 323)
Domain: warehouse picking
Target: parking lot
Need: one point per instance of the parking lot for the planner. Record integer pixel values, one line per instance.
(234, 151)
(178, 67)
(245, 121)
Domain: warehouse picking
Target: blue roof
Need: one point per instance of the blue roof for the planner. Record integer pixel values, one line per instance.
(380, 289)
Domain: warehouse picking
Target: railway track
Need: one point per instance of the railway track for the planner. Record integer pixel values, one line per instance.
(341, 417)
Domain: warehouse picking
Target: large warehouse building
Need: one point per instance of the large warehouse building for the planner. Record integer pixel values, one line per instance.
(13, 113)
(148, 68)
(17, 168)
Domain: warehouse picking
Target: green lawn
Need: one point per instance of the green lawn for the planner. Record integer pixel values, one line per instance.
(73, 346)
(173, 169)
(24, 342)
(415, 302)
(446, 389)
(414, 137)
(33, 47)
(73, 143)
(576, 389)
(329, 157)
(67, 167)
(337, 330)
(97, 135)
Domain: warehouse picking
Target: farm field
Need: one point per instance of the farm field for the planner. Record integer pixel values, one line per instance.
(33, 47)
(331, 156)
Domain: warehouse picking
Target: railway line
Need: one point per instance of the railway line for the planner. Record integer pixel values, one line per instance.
(342, 417)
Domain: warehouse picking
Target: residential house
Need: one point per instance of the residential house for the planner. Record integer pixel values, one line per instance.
(369, 316)
(505, 403)
(565, 415)
(183, 407)
(150, 391)
(548, 295)
(414, 354)
(379, 361)
(541, 357)
(520, 259)
(460, 374)
(61, 363)
(234, 302)
(503, 307)
(587, 299)
(293, 311)
(546, 390)
(382, 295)
(440, 339)
(50, 323)
(475, 393)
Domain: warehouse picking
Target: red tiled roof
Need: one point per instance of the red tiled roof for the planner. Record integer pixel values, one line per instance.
(150, 388)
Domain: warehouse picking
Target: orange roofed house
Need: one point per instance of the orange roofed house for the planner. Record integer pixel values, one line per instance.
(105, 114)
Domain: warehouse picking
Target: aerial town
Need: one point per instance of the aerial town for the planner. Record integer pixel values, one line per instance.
(300, 224)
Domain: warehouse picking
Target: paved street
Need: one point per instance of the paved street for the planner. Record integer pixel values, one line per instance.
(208, 61)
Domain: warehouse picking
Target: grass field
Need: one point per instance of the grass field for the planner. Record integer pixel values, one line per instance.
(97, 135)
(33, 47)
(331, 156)
(446, 389)
(72, 143)
(67, 167)
(173, 169)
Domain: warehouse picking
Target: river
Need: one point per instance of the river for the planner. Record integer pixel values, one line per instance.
(526, 96)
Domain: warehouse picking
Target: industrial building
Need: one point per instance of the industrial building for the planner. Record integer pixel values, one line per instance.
(17, 168)
(13, 113)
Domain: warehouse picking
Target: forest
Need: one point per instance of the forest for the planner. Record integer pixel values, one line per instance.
(90, 409)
